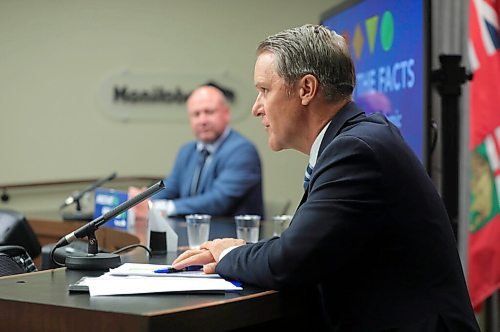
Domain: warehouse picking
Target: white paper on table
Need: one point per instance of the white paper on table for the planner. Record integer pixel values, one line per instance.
(147, 270)
(112, 285)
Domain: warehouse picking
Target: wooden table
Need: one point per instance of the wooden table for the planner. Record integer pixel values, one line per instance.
(40, 301)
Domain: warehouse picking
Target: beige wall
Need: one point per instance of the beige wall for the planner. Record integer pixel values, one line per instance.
(55, 54)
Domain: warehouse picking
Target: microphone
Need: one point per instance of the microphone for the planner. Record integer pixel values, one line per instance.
(76, 197)
(95, 260)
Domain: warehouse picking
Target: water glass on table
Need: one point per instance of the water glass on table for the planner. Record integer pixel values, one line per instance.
(198, 229)
(247, 227)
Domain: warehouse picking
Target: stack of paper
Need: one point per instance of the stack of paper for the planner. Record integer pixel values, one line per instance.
(148, 270)
(141, 279)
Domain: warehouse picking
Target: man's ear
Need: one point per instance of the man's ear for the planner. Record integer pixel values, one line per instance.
(308, 88)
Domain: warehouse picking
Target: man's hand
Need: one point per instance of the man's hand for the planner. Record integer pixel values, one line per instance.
(208, 254)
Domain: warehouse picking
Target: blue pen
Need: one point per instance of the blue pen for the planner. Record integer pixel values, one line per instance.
(187, 268)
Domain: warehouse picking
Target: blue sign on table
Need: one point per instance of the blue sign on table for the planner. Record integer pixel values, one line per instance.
(105, 201)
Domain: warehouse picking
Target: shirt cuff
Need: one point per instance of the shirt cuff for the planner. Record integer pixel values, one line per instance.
(225, 252)
(170, 208)
(164, 205)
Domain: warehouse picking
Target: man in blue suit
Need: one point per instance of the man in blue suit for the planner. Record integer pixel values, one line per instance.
(370, 247)
(219, 173)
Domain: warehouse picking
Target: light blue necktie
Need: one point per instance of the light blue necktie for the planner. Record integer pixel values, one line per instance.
(307, 176)
(198, 171)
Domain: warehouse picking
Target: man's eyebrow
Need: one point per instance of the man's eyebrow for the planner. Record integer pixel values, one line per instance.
(259, 84)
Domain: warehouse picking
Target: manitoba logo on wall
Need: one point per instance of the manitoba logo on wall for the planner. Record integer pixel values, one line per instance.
(133, 96)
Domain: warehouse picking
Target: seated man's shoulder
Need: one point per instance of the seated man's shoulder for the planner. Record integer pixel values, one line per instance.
(239, 143)
(185, 151)
(239, 138)
(188, 146)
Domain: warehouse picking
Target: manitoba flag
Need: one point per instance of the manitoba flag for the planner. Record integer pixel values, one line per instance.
(484, 228)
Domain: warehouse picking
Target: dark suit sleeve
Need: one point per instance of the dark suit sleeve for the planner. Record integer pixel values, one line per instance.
(332, 227)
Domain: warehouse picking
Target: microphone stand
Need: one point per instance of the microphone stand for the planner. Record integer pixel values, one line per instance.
(78, 214)
(95, 260)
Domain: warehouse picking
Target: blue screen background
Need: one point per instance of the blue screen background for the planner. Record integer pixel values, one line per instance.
(386, 39)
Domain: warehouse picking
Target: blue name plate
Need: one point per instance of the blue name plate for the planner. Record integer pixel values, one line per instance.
(105, 201)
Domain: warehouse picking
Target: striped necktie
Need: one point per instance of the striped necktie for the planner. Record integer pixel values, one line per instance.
(307, 176)
(198, 171)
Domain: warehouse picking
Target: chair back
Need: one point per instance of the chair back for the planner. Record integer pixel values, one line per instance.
(8, 266)
(15, 260)
(15, 230)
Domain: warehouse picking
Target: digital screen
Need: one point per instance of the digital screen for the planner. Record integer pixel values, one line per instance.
(388, 43)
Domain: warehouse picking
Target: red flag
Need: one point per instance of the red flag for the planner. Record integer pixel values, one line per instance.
(484, 227)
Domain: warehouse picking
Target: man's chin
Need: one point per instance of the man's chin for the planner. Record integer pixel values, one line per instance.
(206, 139)
(274, 146)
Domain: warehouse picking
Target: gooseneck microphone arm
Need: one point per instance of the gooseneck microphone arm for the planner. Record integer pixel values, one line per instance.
(95, 260)
(89, 228)
(76, 198)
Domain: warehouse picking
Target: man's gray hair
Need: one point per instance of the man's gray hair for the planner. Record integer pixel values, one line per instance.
(316, 50)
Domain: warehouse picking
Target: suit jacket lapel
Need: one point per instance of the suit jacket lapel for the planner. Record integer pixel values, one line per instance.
(344, 115)
(209, 172)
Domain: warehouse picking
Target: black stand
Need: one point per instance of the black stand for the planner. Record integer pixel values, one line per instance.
(448, 81)
(94, 260)
(78, 214)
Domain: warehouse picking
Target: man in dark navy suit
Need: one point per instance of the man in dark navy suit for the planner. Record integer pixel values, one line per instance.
(370, 247)
(220, 172)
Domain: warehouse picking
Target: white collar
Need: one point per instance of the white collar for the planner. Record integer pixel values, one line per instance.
(212, 147)
(313, 154)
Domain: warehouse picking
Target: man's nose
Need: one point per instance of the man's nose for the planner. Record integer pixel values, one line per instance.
(202, 118)
(257, 108)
